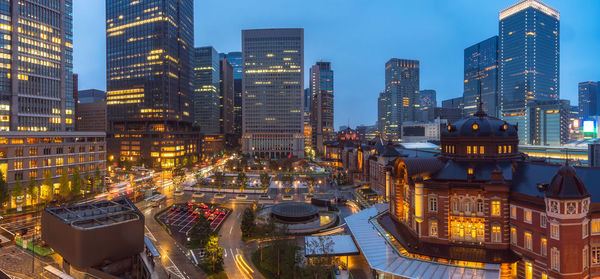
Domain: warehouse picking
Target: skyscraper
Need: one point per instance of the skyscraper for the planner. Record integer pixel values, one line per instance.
(149, 46)
(383, 110)
(481, 77)
(427, 100)
(588, 99)
(206, 86)
(402, 85)
(321, 108)
(36, 68)
(235, 59)
(273, 84)
(529, 60)
(227, 96)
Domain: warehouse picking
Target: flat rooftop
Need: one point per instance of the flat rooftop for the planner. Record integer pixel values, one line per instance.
(96, 214)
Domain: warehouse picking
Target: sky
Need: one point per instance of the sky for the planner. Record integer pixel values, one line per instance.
(359, 36)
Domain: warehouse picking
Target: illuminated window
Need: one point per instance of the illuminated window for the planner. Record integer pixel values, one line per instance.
(59, 161)
(33, 152)
(528, 241)
(495, 208)
(32, 174)
(33, 163)
(528, 270)
(510, 149)
(513, 235)
(475, 149)
(513, 212)
(504, 149)
(527, 216)
(543, 246)
(433, 228)
(18, 165)
(499, 149)
(544, 275)
(481, 150)
(496, 233)
(554, 231)
(596, 254)
(470, 171)
(468, 149)
(555, 259)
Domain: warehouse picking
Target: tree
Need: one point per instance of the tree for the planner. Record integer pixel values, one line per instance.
(46, 192)
(87, 183)
(242, 180)
(214, 253)
(198, 176)
(76, 184)
(199, 233)
(64, 189)
(304, 164)
(98, 181)
(17, 191)
(178, 176)
(322, 245)
(287, 182)
(265, 180)
(247, 226)
(219, 180)
(32, 190)
(4, 197)
(273, 165)
(310, 180)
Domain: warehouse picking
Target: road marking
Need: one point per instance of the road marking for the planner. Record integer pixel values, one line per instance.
(224, 252)
(230, 229)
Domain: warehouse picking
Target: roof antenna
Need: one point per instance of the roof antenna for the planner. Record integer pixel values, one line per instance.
(480, 111)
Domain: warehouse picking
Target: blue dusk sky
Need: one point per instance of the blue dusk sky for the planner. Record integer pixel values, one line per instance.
(358, 37)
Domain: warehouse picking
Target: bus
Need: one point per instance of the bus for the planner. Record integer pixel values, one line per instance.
(55, 273)
(157, 200)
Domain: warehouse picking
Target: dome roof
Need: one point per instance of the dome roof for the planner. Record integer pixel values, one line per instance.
(566, 185)
(481, 125)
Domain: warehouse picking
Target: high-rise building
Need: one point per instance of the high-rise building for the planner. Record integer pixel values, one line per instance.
(227, 96)
(273, 84)
(402, 85)
(383, 110)
(90, 112)
(588, 99)
(149, 48)
(321, 107)
(36, 73)
(235, 59)
(529, 50)
(306, 119)
(481, 77)
(453, 103)
(427, 99)
(205, 83)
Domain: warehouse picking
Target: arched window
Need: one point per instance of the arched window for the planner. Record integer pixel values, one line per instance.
(454, 205)
(467, 205)
(480, 206)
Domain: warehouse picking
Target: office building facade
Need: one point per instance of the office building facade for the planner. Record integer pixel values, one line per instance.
(481, 77)
(273, 86)
(588, 99)
(235, 59)
(427, 99)
(402, 85)
(149, 48)
(383, 111)
(529, 48)
(36, 68)
(90, 112)
(206, 86)
(321, 107)
(227, 96)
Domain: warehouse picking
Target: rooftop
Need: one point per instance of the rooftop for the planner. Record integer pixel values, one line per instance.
(96, 214)
(522, 5)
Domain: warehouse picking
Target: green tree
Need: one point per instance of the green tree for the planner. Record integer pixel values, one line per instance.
(273, 165)
(242, 180)
(265, 180)
(4, 196)
(199, 233)
(87, 183)
(219, 178)
(17, 191)
(98, 181)
(32, 190)
(76, 184)
(178, 176)
(64, 189)
(214, 253)
(310, 180)
(47, 190)
(287, 182)
(248, 225)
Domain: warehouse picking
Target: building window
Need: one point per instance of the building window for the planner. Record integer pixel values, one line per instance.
(433, 204)
(454, 205)
(47, 151)
(544, 246)
(33, 152)
(59, 161)
(595, 226)
(433, 228)
(470, 171)
(467, 205)
(544, 275)
(481, 150)
(468, 149)
(513, 212)
(33, 163)
(596, 255)
(495, 208)
(586, 257)
(585, 229)
(555, 259)
(32, 174)
(496, 233)
(513, 235)
(528, 241)
(527, 216)
(59, 171)
(499, 149)
(528, 270)
(19, 152)
(18, 165)
(554, 231)
(480, 206)
(510, 149)
(18, 176)
(544, 220)
(59, 150)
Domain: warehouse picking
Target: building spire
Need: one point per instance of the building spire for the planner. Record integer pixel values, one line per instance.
(480, 111)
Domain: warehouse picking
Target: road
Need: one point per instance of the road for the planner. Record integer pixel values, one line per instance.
(237, 263)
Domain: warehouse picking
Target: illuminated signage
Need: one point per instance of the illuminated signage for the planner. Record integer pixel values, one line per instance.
(589, 126)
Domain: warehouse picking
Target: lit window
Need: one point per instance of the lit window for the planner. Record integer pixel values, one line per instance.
(495, 208)
(468, 149)
(527, 216)
(513, 235)
(513, 212)
(544, 275)
(470, 171)
(555, 259)
(510, 149)
(496, 233)
(475, 149)
(596, 255)
(481, 150)
(528, 270)
(554, 231)
(595, 226)
(528, 241)
(433, 228)
(544, 246)
(499, 149)
(475, 127)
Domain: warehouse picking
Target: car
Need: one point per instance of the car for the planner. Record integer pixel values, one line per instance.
(287, 197)
(219, 196)
(264, 197)
(178, 193)
(241, 197)
(198, 195)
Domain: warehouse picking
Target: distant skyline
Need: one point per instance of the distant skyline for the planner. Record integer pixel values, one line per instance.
(359, 37)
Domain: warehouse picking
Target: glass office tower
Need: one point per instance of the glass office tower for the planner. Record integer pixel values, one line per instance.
(235, 59)
(321, 107)
(36, 66)
(402, 85)
(588, 99)
(149, 46)
(481, 74)
(205, 84)
(529, 60)
(273, 85)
